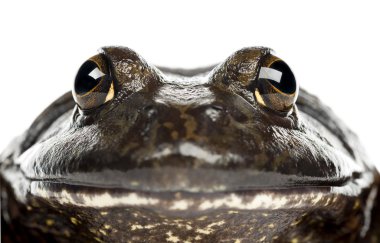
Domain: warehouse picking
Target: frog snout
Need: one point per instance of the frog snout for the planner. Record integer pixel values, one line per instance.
(160, 123)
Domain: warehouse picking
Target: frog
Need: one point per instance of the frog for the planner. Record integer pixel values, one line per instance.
(233, 152)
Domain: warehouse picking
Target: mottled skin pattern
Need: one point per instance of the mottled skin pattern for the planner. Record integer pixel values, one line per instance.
(187, 156)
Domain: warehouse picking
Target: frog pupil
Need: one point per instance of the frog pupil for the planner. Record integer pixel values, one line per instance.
(89, 76)
(280, 76)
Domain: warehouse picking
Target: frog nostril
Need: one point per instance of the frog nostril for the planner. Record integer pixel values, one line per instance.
(217, 107)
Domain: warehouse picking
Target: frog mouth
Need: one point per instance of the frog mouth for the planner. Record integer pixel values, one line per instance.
(169, 179)
(199, 201)
(281, 192)
(194, 180)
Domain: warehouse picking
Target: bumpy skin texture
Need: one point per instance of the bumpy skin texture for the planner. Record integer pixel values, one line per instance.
(187, 155)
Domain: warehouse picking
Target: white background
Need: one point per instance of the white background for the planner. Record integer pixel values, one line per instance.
(332, 46)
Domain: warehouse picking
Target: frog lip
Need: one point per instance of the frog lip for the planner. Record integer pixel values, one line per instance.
(94, 196)
(187, 180)
(180, 201)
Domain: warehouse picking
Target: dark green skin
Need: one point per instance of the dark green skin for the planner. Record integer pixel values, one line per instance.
(188, 155)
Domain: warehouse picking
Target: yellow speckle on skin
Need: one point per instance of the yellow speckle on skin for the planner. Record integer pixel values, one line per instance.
(265, 214)
(202, 218)
(136, 226)
(103, 213)
(103, 232)
(357, 204)
(296, 222)
(29, 208)
(237, 241)
(177, 221)
(171, 237)
(271, 226)
(294, 240)
(317, 198)
(198, 237)
(174, 135)
(206, 231)
(327, 202)
(66, 233)
(97, 239)
(149, 226)
(74, 220)
(107, 226)
(220, 223)
(169, 125)
(49, 222)
(262, 238)
(309, 237)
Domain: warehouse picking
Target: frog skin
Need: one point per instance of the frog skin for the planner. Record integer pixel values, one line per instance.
(217, 154)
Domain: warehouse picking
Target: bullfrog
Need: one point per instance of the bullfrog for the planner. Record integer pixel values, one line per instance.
(234, 152)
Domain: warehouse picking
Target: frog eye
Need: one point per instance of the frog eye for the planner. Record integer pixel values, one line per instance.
(276, 87)
(93, 85)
